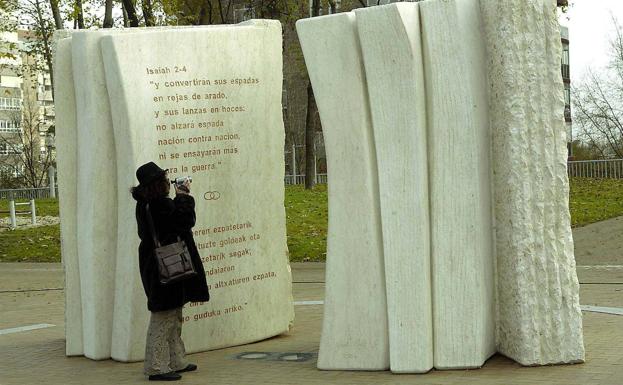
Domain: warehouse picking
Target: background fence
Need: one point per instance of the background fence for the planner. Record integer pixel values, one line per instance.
(27, 193)
(609, 168)
(300, 179)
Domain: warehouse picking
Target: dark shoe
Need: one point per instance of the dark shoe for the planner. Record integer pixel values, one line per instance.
(172, 376)
(188, 368)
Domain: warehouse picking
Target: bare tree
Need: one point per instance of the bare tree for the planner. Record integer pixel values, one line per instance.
(598, 103)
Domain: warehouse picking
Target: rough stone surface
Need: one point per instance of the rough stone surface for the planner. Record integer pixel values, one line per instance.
(354, 330)
(395, 72)
(539, 319)
(458, 159)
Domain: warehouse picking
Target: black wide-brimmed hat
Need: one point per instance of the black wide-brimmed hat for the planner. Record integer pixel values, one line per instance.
(149, 172)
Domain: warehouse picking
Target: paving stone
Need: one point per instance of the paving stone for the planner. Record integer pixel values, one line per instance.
(38, 356)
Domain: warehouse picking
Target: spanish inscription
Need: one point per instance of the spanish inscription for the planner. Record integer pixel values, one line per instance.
(199, 114)
(195, 122)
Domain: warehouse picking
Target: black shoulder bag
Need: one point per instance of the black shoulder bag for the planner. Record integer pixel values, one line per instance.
(174, 262)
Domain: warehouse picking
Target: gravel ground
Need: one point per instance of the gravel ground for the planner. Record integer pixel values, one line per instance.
(24, 222)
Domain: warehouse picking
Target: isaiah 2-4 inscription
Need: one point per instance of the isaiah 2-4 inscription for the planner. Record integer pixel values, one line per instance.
(197, 112)
(215, 116)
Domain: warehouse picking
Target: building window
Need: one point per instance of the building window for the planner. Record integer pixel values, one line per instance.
(565, 62)
(567, 95)
(10, 170)
(10, 150)
(10, 103)
(567, 102)
(9, 126)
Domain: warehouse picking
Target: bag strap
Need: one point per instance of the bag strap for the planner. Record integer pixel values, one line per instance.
(150, 224)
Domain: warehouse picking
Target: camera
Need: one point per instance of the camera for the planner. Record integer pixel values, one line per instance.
(180, 180)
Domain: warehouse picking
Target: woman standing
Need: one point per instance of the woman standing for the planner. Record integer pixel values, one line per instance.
(164, 352)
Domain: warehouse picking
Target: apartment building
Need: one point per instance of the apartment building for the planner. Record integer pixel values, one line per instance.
(26, 103)
(10, 104)
(566, 79)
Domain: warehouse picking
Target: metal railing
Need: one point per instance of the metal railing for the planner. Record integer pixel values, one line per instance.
(13, 212)
(608, 168)
(27, 193)
(300, 179)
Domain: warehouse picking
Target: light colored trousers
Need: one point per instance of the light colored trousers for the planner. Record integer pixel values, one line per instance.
(164, 351)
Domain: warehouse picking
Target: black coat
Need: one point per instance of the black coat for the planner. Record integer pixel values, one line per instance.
(172, 218)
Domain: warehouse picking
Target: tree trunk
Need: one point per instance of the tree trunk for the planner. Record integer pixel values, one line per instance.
(227, 13)
(129, 8)
(205, 14)
(125, 16)
(310, 123)
(108, 22)
(310, 138)
(148, 13)
(332, 6)
(80, 14)
(58, 21)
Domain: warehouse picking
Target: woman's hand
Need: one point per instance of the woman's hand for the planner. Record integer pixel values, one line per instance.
(184, 188)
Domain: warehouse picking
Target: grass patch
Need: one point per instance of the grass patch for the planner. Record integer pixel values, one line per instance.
(306, 221)
(592, 200)
(39, 244)
(43, 207)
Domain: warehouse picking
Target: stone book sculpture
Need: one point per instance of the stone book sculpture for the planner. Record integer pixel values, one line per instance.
(449, 229)
(209, 107)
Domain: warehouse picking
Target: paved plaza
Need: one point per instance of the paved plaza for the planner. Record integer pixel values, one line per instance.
(31, 295)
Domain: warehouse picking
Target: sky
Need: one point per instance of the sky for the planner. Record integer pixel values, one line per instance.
(590, 26)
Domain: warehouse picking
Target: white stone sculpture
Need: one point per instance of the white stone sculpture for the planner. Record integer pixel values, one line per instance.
(66, 145)
(460, 199)
(237, 183)
(481, 95)
(354, 337)
(96, 196)
(400, 142)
